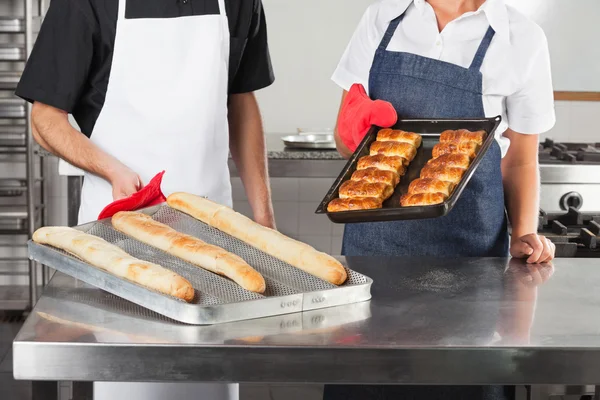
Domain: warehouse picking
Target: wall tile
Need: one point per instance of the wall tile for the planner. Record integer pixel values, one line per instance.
(285, 189)
(286, 217)
(337, 229)
(582, 128)
(243, 208)
(319, 242)
(311, 223)
(336, 245)
(562, 128)
(237, 188)
(314, 189)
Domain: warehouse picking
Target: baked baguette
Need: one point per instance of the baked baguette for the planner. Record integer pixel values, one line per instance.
(447, 174)
(468, 148)
(193, 250)
(393, 135)
(295, 253)
(422, 199)
(354, 189)
(99, 253)
(462, 135)
(399, 149)
(430, 186)
(364, 203)
(374, 175)
(461, 161)
(394, 164)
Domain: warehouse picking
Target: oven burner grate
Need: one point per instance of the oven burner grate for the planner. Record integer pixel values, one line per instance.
(574, 153)
(574, 233)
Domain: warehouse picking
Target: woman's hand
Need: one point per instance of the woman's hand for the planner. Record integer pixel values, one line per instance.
(536, 248)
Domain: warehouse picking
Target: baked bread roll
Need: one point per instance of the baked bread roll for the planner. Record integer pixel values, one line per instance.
(447, 174)
(394, 164)
(364, 203)
(468, 148)
(430, 186)
(193, 250)
(391, 135)
(293, 252)
(99, 253)
(422, 199)
(353, 189)
(461, 161)
(462, 135)
(400, 149)
(374, 175)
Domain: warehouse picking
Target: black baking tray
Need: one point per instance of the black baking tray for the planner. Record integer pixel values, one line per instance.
(430, 129)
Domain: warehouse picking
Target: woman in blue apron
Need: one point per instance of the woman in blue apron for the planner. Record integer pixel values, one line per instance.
(434, 60)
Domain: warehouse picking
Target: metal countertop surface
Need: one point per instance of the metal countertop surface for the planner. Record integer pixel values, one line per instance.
(431, 321)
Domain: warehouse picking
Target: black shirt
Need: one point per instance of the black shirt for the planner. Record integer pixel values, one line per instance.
(70, 63)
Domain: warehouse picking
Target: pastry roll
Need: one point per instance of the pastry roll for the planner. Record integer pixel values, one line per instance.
(446, 174)
(451, 160)
(422, 199)
(429, 185)
(390, 135)
(374, 175)
(462, 135)
(468, 148)
(400, 149)
(365, 189)
(395, 164)
(364, 203)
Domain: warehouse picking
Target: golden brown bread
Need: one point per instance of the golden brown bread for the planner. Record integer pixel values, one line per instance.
(422, 199)
(364, 203)
(394, 164)
(191, 249)
(462, 135)
(447, 174)
(461, 161)
(354, 189)
(295, 253)
(468, 148)
(99, 253)
(430, 186)
(393, 135)
(400, 149)
(374, 175)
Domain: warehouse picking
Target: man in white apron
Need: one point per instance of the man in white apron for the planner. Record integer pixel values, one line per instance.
(151, 86)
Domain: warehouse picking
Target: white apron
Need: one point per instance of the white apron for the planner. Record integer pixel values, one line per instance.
(166, 107)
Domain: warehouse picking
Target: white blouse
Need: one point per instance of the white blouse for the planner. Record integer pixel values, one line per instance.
(517, 81)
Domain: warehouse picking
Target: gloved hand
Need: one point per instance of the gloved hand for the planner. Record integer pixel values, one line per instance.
(148, 196)
(359, 113)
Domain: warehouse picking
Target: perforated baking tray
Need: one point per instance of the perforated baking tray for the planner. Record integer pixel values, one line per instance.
(431, 131)
(217, 299)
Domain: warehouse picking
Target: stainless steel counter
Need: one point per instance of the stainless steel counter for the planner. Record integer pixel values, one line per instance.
(431, 321)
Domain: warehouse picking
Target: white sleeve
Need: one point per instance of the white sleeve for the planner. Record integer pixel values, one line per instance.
(356, 62)
(530, 110)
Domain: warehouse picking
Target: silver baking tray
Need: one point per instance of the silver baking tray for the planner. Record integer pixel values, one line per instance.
(310, 141)
(217, 299)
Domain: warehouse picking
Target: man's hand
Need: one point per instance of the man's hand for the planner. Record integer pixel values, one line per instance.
(536, 248)
(124, 183)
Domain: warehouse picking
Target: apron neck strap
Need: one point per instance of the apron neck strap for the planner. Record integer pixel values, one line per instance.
(389, 33)
(123, 6)
(222, 9)
(482, 50)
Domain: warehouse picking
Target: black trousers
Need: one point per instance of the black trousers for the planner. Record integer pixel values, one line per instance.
(398, 392)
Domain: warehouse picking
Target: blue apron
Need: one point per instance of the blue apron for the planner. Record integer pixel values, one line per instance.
(421, 87)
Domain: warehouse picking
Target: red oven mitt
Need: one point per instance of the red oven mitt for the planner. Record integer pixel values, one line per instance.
(359, 113)
(148, 196)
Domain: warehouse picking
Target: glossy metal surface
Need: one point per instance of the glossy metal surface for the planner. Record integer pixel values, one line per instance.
(451, 321)
(314, 141)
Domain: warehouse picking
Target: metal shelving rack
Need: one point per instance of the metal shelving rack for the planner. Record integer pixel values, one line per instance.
(23, 196)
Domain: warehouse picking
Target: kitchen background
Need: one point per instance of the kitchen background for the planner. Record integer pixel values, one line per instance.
(306, 40)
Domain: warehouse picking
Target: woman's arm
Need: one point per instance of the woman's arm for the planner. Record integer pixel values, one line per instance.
(521, 178)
